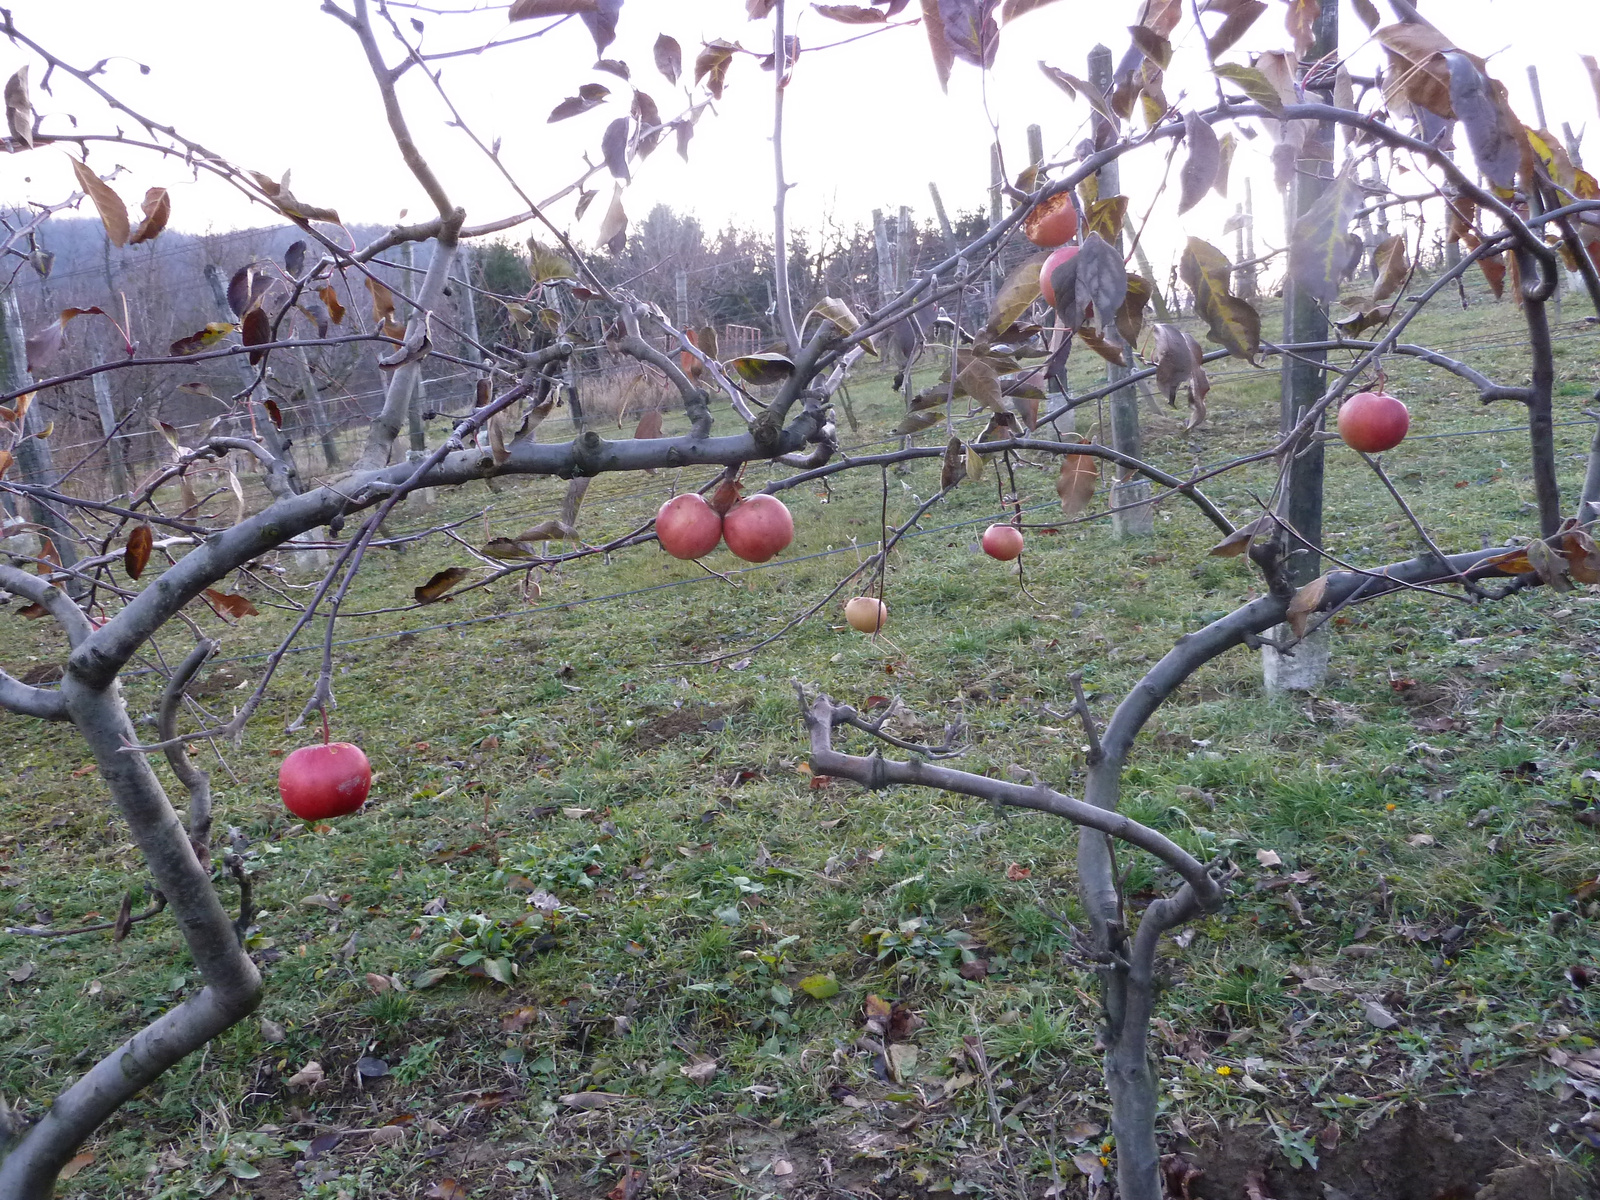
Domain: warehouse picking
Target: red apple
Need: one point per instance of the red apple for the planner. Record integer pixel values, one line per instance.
(327, 780)
(1002, 541)
(1052, 221)
(866, 614)
(688, 527)
(757, 528)
(1046, 288)
(1373, 422)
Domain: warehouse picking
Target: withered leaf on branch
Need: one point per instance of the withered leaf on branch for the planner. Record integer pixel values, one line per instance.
(157, 209)
(916, 422)
(1389, 262)
(712, 65)
(614, 228)
(1237, 542)
(1252, 83)
(19, 109)
(438, 585)
(1230, 321)
(229, 604)
(255, 330)
(1080, 475)
(762, 369)
(953, 470)
(1241, 14)
(552, 530)
(852, 14)
(136, 554)
(202, 339)
(294, 258)
(1492, 132)
(1319, 247)
(545, 264)
(979, 380)
(669, 57)
(1306, 600)
(330, 298)
(1583, 559)
(1550, 567)
(1199, 171)
(508, 548)
(527, 10)
(1075, 87)
(113, 212)
(1020, 289)
(274, 413)
(382, 301)
(590, 95)
(1105, 217)
(614, 148)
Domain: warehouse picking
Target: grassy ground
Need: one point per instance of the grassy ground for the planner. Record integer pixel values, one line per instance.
(561, 796)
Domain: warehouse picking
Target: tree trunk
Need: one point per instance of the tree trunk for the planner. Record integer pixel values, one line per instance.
(232, 983)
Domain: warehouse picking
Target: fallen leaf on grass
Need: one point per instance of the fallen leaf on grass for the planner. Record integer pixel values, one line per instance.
(1420, 839)
(446, 1189)
(307, 1076)
(590, 1100)
(699, 1069)
(1378, 1015)
(1016, 871)
(902, 1061)
(1268, 858)
(782, 1166)
(23, 973)
(271, 1031)
(77, 1164)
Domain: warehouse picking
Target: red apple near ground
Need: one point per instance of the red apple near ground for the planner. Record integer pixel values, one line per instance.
(688, 527)
(329, 780)
(1002, 541)
(1373, 422)
(1046, 288)
(757, 528)
(866, 614)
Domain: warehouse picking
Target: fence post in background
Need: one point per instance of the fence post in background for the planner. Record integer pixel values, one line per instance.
(319, 411)
(1132, 513)
(991, 285)
(419, 396)
(108, 427)
(1301, 383)
(34, 462)
(271, 436)
(682, 284)
(903, 257)
(944, 220)
(880, 243)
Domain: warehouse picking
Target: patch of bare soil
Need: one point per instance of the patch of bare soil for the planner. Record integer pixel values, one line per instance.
(1492, 1144)
(690, 719)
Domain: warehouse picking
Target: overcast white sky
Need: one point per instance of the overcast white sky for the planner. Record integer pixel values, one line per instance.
(277, 84)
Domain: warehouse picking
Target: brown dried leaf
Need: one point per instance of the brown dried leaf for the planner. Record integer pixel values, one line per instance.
(1241, 15)
(953, 470)
(1200, 169)
(113, 212)
(256, 330)
(330, 298)
(136, 554)
(649, 425)
(712, 65)
(1237, 542)
(980, 382)
(382, 301)
(157, 208)
(1583, 559)
(527, 10)
(229, 604)
(19, 109)
(1389, 258)
(852, 14)
(1549, 566)
(440, 583)
(614, 229)
(1080, 475)
(552, 530)
(669, 57)
(1307, 600)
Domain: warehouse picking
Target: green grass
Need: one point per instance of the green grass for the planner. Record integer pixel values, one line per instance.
(700, 875)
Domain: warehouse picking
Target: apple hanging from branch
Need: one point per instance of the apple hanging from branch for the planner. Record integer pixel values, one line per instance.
(1003, 542)
(1373, 422)
(327, 780)
(758, 528)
